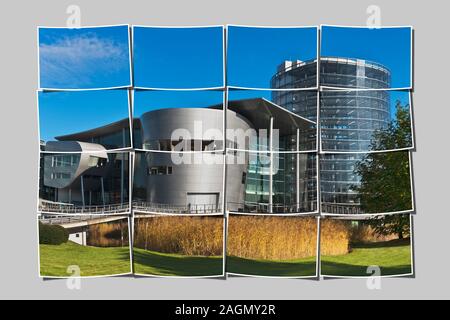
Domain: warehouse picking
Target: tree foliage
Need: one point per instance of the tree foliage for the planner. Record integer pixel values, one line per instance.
(397, 134)
(385, 177)
(398, 224)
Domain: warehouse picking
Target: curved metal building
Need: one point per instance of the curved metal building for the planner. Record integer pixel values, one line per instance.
(169, 180)
(348, 119)
(82, 177)
(182, 182)
(183, 185)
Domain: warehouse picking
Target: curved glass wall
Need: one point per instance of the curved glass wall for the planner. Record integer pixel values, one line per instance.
(353, 73)
(338, 183)
(348, 120)
(295, 74)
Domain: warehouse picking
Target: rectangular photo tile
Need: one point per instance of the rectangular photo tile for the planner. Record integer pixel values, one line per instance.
(265, 120)
(93, 246)
(179, 121)
(366, 58)
(272, 183)
(365, 121)
(178, 57)
(84, 58)
(364, 247)
(178, 246)
(84, 121)
(272, 57)
(178, 184)
(272, 246)
(366, 184)
(84, 183)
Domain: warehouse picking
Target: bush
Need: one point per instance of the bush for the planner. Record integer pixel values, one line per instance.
(53, 235)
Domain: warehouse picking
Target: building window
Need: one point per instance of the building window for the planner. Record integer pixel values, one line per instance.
(59, 175)
(160, 170)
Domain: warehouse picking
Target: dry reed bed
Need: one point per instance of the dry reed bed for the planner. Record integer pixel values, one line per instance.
(112, 234)
(192, 236)
(365, 234)
(334, 237)
(272, 238)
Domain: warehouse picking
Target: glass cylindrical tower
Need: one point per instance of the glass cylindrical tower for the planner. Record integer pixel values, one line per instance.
(348, 118)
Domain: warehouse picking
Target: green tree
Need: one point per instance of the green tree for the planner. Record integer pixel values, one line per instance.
(397, 134)
(385, 177)
(391, 224)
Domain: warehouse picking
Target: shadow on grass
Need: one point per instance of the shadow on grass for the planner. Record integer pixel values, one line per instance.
(291, 268)
(392, 257)
(163, 264)
(386, 244)
(348, 270)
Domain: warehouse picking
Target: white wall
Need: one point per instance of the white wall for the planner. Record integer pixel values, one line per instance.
(78, 237)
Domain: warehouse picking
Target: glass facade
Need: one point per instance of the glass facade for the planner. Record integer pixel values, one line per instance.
(348, 120)
(353, 74)
(295, 74)
(304, 104)
(294, 186)
(295, 183)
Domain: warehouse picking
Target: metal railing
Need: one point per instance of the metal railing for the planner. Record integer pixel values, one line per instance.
(335, 208)
(59, 220)
(150, 207)
(65, 220)
(276, 208)
(67, 208)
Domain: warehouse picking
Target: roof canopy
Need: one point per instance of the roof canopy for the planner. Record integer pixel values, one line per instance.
(259, 111)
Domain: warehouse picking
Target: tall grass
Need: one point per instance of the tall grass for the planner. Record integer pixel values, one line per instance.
(108, 234)
(363, 233)
(272, 238)
(335, 237)
(192, 236)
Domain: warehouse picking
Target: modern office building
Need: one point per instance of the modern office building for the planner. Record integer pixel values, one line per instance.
(281, 182)
(348, 119)
(82, 177)
(163, 185)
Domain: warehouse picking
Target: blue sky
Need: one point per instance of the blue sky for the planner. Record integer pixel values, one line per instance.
(84, 58)
(62, 113)
(249, 94)
(145, 101)
(255, 53)
(175, 58)
(389, 46)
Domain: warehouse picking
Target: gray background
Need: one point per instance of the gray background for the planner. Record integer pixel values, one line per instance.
(19, 159)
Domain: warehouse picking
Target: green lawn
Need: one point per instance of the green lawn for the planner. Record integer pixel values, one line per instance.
(393, 257)
(163, 264)
(92, 261)
(277, 268)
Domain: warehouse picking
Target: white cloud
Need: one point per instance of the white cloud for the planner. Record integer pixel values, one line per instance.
(81, 60)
